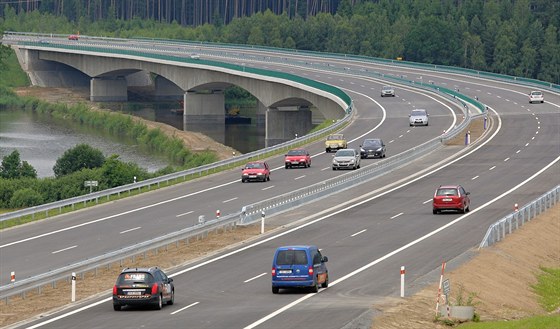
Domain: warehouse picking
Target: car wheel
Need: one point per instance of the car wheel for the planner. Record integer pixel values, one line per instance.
(242, 180)
(326, 283)
(172, 300)
(159, 304)
(275, 290)
(467, 209)
(434, 211)
(327, 151)
(333, 168)
(116, 307)
(286, 166)
(309, 165)
(358, 166)
(268, 178)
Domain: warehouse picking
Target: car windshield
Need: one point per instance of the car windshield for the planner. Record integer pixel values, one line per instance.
(291, 257)
(447, 191)
(134, 277)
(536, 93)
(372, 142)
(418, 113)
(344, 153)
(335, 137)
(387, 88)
(296, 152)
(254, 166)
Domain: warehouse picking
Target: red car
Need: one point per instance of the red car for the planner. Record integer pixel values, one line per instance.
(73, 37)
(297, 157)
(255, 171)
(451, 197)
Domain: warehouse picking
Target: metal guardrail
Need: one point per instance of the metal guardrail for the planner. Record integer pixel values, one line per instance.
(497, 231)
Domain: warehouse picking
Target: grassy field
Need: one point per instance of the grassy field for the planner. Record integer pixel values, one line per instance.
(13, 75)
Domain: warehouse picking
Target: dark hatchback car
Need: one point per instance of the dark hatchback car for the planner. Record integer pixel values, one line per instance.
(372, 147)
(143, 286)
(451, 197)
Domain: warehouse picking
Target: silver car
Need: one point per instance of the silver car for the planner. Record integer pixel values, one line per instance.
(387, 91)
(346, 159)
(418, 117)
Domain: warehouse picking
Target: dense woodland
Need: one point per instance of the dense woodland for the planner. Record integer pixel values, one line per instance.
(515, 37)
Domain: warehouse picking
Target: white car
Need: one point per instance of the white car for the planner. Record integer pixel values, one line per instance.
(536, 96)
(387, 91)
(346, 159)
(418, 117)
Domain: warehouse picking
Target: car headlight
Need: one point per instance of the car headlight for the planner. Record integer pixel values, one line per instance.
(259, 173)
(362, 150)
(352, 160)
(380, 149)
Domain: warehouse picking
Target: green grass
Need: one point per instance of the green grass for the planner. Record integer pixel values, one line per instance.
(12, 75)
(535, 322)
(548, 289)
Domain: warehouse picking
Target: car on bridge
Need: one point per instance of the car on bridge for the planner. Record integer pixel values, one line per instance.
(374, 147)
(143, 286)
(451, 197)
(418, 117)
(335, 142)
(536, 96)
(300, 266)
(387, 91)
(255, 171)
(346, 159)
(296, 158)
(73, 37)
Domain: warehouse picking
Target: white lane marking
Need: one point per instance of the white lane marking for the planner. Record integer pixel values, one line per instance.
(506, 159)
(492, 168)
(362, 231)
(400, 136)
(327, 168)
(185, 213)
(132, 229)
(300, 177)
(517, 151)
(427, 201)
(475, 177)
(267, 188)
(61, 250)
(255, 277)
(397, 215)
(527, 144)
(184, 308)
(533, 138)
(229, 200)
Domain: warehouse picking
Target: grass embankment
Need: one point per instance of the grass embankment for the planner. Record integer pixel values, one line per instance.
(548, 289)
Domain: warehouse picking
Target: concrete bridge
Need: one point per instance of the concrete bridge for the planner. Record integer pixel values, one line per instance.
(285, 101)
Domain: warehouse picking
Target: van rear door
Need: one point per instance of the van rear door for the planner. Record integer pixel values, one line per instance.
(292, 265)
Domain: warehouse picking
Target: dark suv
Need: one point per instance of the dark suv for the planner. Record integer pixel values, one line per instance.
(143, 286)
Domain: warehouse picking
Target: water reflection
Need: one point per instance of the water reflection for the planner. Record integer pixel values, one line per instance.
(41, 140)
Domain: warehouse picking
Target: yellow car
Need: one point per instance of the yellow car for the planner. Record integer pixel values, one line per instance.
(335, 142)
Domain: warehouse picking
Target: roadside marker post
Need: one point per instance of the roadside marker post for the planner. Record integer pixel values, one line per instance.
(13, 277)
(439, 287)
(262, 222)
(218, 213)
(402, 281)
(73, 287)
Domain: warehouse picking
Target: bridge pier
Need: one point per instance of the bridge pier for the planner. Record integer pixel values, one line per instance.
(283, 123)
(108, 90)
(204, 108)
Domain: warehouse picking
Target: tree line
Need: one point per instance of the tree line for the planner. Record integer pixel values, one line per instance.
(514, 37)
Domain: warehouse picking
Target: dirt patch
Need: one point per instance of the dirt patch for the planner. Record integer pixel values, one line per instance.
(475, 129)
(194, 141)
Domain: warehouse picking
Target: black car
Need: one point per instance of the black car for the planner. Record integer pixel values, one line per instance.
(372, 147)
(143, 286)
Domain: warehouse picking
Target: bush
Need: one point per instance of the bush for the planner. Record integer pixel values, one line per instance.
(25, 198)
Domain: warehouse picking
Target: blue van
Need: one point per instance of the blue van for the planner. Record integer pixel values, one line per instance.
(299, 267)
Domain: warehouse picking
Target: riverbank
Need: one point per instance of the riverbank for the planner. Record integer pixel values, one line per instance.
(194, 141)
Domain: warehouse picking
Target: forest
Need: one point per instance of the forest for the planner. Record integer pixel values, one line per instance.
(514, 37)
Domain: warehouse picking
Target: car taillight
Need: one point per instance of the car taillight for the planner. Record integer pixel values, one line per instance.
(310, 270)
(273, 271)
(114, 289)
(154, 289)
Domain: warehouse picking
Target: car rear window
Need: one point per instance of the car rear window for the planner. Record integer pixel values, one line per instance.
(447, 191)
(335, 137)
(135, 277)
(291, 257)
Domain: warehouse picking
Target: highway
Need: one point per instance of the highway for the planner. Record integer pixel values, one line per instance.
(384, 224)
